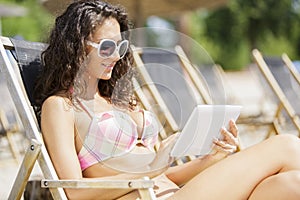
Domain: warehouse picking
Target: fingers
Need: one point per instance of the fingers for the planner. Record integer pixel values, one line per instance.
(226, 152)
(229, 137)
(233, 128)
(230, 142)
(167, 144)
(222, 146)
(163, 158)
(170, 139)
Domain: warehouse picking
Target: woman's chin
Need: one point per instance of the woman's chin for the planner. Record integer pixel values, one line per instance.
(106, 76)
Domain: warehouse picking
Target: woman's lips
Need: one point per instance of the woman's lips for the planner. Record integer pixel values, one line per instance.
(109, 66)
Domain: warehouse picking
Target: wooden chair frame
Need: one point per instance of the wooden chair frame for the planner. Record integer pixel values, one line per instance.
(283, 101)
(170, 125)
(9, 131)
(198, 81)
(289, 64)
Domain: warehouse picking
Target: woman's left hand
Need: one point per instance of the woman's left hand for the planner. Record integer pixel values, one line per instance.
(229, 143)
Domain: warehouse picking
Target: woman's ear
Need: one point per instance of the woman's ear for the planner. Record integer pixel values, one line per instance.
(88, 49)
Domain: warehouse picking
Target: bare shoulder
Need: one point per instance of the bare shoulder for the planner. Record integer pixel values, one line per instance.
(57, 105)
(57, 118)
(57, 102)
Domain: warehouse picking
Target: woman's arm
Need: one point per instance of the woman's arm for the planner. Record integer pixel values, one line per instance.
(222, 148)
(181, 174)
(57, 123)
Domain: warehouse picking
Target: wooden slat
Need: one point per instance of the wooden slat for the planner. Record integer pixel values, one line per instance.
(193, 75)
(7, 43)
(276, 88)
(289, 64)
(25, 170)
(105, 183)
(156, 95)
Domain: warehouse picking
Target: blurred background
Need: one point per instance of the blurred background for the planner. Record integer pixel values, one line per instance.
(227, 29)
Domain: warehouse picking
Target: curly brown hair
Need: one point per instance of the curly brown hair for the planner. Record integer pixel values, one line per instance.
(67, 49)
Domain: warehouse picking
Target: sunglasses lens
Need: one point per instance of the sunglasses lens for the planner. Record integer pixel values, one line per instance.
(123, 46)
(107, 48)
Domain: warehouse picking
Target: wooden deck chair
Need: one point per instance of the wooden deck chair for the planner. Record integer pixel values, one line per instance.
(165, 86)
(292, 68)
(10, 126)
(207, 81)
(9, 129)
(161, 70)
(212, 84)
(145, 88)
(27, 56)
(174, 83)
(280, 81)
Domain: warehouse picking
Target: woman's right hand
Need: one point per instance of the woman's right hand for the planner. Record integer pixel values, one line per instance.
(163, 158)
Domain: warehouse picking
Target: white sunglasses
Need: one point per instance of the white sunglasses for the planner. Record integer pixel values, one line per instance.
(107, 47)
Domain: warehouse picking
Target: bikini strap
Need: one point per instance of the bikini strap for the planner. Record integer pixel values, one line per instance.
(85, 108)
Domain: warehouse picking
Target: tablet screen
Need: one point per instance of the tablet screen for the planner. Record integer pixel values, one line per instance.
(203, 125)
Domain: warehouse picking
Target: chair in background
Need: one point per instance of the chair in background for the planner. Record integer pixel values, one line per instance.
(206, 78)
(177, 84)
(283, 86)
(211, 82)
(180, 86)
(20, 81)
(163, 89)
(9, 129)
(10, 126)
(161, 68)
(172, 69)
(289, 64)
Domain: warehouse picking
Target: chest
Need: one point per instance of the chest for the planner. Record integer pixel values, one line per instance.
(91, 109)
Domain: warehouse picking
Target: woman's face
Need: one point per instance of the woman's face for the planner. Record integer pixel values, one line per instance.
(99, 67)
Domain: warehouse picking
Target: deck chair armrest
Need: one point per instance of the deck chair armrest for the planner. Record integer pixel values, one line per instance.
(122, 184)
(144, 186)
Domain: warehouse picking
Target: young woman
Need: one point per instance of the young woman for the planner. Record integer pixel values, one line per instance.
(92, 127)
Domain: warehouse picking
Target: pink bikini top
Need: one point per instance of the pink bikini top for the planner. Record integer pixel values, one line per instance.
(114, 133)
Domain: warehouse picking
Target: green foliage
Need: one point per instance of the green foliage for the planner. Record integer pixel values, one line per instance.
(277, 45)
(34, 26)
(228, 34)
(226, 30)
(272, 26)
(219, 50)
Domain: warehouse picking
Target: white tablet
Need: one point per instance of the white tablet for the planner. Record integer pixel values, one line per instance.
(202, 127)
